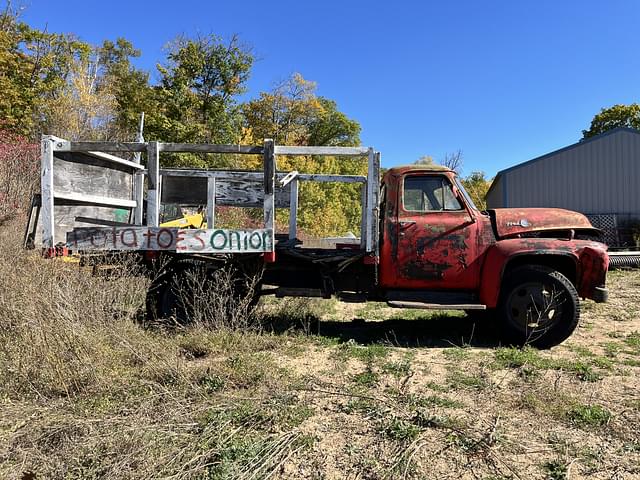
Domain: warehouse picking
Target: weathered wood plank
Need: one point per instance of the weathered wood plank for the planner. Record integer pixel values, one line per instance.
(70, 215)
(211, 202)
(46, 183)
(170, 239)
(225, 241)
(95, 199)
(153, 184)
(112, 147)
(375, 207)
(235, 193)
(293, 210)
(122, 238)
(269, 159)
(84, 176)
(220, 174)
(321, 177)
(117, 160)
(138, 184)
(100, 221)
(372, 185)
(166, 147)
(211, 148)
(139, 138)
(363, 216)
(338, 151)
(258, 176)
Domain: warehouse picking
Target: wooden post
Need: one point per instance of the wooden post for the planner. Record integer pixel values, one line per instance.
(153, 184)
(363, 216)
(139, 138)
(138, 192)
(269, 160)
(375, 207)
(372, 185)
(211, 202)
(293, 210)
(46, 187)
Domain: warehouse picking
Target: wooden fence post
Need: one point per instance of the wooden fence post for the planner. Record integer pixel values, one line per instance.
(153, 186)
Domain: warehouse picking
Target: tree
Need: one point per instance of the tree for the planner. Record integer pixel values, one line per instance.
(293, 114)
(616, 116)
(198, 90)
(284, 113)
(80, 110)
(453, 161)
(424, 160)
(128, 86)
(477, 187)
(35, 66)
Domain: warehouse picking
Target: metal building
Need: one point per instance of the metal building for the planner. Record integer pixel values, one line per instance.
(599, 176)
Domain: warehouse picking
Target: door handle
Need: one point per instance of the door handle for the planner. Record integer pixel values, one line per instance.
(407, 223)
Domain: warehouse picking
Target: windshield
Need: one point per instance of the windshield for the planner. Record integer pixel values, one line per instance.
(464, 193)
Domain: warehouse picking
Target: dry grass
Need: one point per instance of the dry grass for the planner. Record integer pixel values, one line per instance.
(87, 392)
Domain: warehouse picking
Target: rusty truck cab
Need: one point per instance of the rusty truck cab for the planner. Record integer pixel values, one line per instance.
(433, 237)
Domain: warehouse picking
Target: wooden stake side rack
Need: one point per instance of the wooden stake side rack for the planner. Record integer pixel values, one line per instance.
(92, 199)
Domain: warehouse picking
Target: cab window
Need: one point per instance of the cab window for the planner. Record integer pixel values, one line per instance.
(429, 194)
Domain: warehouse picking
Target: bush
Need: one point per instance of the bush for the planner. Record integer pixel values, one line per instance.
(19, 174)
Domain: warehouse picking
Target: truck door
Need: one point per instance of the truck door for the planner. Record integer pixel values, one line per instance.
(436, 238)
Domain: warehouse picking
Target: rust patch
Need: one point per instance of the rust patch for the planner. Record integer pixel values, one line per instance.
(425, 270)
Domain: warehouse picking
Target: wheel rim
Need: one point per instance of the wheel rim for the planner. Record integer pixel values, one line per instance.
(534, 306)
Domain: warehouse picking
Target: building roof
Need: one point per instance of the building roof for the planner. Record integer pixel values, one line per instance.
(613, 131)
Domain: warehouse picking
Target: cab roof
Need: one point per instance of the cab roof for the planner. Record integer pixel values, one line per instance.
(402, 169)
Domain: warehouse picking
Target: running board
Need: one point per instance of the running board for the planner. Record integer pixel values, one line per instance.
(282, 292)
(435, 306)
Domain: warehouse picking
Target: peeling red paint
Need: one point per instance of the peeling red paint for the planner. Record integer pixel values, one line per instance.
(514, 221)
(470, 251)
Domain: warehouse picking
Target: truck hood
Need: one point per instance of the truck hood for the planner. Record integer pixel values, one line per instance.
(509, 222)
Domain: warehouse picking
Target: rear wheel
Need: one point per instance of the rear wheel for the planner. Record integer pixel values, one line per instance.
(538, 306)
(196, 291)
(170, 296)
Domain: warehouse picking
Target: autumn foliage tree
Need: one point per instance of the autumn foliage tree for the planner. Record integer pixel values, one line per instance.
(293, 114)
(57, 84)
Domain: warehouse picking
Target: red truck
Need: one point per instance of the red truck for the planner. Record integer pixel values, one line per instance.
(423, 243)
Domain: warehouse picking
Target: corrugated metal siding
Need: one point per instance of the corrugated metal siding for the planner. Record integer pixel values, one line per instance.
(600, 176)
(494, 197)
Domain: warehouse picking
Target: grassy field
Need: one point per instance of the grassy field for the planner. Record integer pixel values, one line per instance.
(325, 391)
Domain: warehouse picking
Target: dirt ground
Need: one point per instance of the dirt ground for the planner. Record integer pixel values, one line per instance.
(328, 391)
(445, 400)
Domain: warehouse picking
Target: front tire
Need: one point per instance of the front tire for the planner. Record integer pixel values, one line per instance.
(538, 306)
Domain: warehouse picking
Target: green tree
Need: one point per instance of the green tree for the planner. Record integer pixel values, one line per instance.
(35, 66)
(128, 86)
(293, 114)
(477, 187)
(198, 91)
(80, 110)
(426, 160)
(616, 116)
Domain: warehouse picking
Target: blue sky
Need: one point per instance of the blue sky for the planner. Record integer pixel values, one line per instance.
(503, 81)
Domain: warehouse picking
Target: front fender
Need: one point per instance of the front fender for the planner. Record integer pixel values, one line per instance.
(589, 258)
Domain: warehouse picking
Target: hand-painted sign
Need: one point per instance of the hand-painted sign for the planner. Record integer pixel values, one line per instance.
(171, 239)
(221, 240)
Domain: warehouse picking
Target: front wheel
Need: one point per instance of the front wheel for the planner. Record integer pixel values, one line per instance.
(538, 306)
